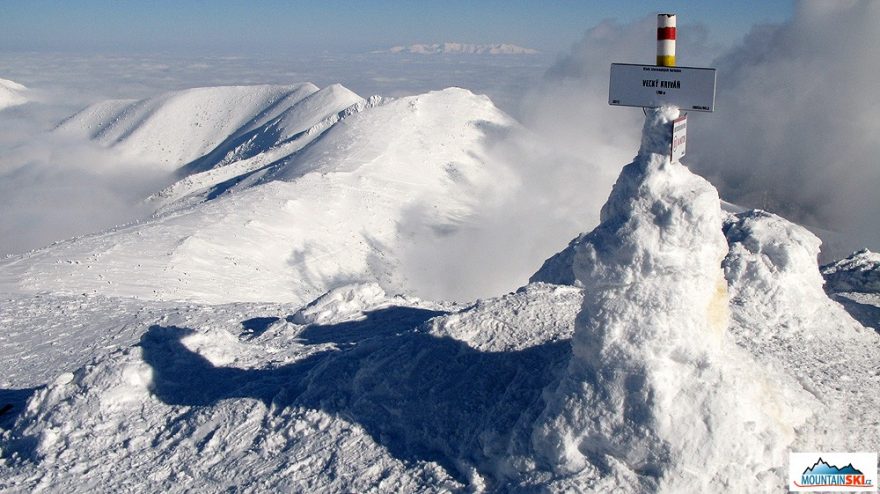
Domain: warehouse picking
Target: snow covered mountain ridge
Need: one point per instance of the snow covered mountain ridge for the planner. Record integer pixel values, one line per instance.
(282, 193)
(217, 124)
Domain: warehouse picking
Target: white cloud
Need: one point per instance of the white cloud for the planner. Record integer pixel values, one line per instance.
(796, 130)
(52, 187)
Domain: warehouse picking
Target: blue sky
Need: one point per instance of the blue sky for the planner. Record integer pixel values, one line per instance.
(226, 26)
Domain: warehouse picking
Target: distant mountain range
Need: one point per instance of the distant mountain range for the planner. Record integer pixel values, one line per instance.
(463, 49)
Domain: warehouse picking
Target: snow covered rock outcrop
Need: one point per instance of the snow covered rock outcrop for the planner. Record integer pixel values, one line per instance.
(854, 282)
(11, 94)
(783, 317)
(656, 397)
(860, 272)
(772, 273)
(342, 304)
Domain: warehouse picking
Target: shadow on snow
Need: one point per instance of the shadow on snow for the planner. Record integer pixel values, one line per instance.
(425, 398)
(867, 315)
(12, 403)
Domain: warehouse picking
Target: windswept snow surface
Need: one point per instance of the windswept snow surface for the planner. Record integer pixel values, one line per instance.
(11, 94)
(676, 348)
(379, 393)
(860, 272)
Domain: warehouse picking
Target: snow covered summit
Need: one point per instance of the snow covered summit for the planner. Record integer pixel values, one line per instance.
(11, 94)
(656, 392)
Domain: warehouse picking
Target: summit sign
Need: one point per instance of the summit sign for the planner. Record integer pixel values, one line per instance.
(652, 86)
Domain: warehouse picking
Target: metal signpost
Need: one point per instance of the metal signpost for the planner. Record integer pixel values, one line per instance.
(679, 137)
(652, 86)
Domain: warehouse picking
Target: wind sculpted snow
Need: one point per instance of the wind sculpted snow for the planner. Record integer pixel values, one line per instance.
(656, 393)
(177, 127)
(694, 350)
(401, 397)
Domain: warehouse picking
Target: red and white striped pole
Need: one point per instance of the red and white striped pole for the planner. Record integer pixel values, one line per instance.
(666, 40)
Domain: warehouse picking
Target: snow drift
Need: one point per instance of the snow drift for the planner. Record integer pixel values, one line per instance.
(656, 394)
(379, 393)
(854, 282)
(860, 272)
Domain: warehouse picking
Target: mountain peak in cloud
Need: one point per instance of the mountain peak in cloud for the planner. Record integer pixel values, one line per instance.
(464, 49)
(11, 94)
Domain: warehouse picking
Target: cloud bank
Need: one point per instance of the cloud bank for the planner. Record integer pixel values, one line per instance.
(796, 130)
(52, 187)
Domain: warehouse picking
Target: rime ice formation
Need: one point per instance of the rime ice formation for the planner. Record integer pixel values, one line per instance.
(656, 396)
(772, 273)
(860, 272)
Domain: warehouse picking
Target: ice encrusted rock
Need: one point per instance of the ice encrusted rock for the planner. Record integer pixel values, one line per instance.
(772, 273)
(656, 397)
(860, 272)
(341, 304)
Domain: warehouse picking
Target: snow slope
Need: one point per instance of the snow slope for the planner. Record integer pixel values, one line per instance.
(11, 94)
(255, 147)
(695, 349)
(301, 220)
(180, 126)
